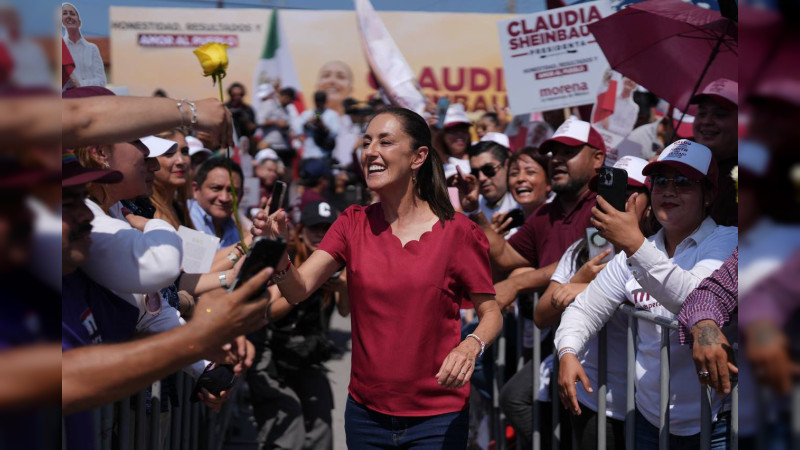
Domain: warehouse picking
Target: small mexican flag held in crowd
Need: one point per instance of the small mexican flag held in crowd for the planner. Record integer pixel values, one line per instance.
(276, 67)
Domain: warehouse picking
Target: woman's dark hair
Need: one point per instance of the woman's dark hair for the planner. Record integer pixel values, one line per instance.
(237, 85)
(217, 162)
(532, 153)
(431, 185)
(493, 117)
(500, 152)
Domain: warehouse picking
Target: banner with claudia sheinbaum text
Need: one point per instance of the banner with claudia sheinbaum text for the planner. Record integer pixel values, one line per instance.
(550, 59)
(451, 54)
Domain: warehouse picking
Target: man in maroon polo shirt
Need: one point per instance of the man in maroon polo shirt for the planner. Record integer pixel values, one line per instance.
(577, 152)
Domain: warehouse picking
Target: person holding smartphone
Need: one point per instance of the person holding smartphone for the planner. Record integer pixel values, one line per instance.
(410, 263)
(654, 273)
(576, 269)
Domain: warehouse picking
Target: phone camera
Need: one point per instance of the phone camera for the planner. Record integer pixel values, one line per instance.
(597, 240)
(607, 178)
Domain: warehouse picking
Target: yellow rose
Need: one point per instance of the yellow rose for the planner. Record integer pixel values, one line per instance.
(213, 56)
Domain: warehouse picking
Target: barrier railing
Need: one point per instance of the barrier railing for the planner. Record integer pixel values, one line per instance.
(630, 416)
(191, 425)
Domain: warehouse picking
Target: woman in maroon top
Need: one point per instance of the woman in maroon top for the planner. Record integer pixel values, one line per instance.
(411, 264)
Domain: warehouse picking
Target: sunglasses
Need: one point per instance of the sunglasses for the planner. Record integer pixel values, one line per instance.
(680, 182)
(487, 169)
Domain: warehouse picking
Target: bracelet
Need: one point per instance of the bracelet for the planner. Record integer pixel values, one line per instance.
(234, 257)
(566, 350)
(483, 344)
(223, 280)
(180, 111)
(193, 109)
(280, 275)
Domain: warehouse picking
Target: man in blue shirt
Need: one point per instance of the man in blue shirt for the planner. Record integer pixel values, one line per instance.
(212, 208)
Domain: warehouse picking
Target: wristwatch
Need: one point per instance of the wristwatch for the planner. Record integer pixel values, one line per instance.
(223, 280)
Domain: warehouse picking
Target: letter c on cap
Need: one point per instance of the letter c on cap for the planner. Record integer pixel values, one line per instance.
(324, 210)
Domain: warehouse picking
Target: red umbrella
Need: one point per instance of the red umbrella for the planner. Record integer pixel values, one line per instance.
(670, 47)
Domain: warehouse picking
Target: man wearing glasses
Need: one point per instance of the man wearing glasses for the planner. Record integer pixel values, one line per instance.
(489, 163)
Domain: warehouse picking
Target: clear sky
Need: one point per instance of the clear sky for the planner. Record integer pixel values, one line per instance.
(94, 13)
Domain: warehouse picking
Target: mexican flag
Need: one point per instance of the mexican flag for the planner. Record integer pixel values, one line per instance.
(276, 67)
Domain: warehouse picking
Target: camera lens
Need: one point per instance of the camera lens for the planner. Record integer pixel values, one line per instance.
(598, 240)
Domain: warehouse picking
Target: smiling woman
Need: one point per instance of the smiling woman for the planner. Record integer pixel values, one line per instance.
(411, 263)
(169, 195)
(656, 274)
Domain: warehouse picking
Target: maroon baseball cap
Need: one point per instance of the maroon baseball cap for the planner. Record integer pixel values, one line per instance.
(74, 174)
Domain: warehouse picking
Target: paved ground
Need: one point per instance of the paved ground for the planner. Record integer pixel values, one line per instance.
(242, 432)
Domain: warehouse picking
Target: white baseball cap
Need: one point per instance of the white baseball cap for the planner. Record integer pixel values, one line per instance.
(496, 137)
(575, 132)
(158, 146)
(691, 159)
(266, 154)
(456, 115)
(196, 146)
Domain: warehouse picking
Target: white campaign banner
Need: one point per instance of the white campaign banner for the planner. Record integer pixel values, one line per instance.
(550, 59)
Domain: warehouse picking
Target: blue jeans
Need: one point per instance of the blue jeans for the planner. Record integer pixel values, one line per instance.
(647, 435)
(367, 429)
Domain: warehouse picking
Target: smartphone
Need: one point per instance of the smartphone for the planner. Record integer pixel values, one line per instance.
(278, 192)
(597, 244)
(441, 111)
(612, 184)
(264, 252)
(216, 380)
(517, 218)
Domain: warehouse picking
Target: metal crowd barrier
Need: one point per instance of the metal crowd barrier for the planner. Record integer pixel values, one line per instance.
(630, 416)
(192, 426)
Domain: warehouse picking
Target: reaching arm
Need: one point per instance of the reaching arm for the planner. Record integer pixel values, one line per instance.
(128, 260)
(523, 280)
(301, 282)
(31, 376)
(110, 119)
(503, 255)
(714, 299)
(593, 307)
(669, 283)
(100, 374)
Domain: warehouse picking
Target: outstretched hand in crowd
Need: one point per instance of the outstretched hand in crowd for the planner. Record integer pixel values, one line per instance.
(270, 226)
(621, 228)
(468, 190)
(225, 319)
(590, 268)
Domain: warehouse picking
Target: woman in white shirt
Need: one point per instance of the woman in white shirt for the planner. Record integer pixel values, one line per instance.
(89, 68)
(576, 269)
(654, 274)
